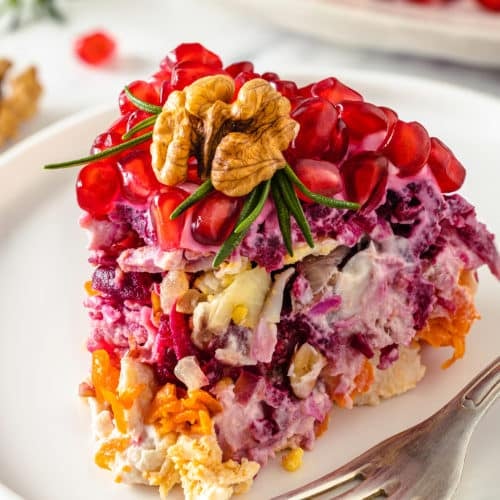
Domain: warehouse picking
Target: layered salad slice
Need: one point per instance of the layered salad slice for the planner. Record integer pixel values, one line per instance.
(261, 252)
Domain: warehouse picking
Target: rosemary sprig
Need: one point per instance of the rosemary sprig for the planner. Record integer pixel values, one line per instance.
(236, 238)
(247, 222)
(102, 154)
(294, 206)
(147, 122)
(140, 104)
(283, 215)
(195, 197)
(318, 198)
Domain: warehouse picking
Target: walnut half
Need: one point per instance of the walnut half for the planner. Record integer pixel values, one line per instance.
(238, 144)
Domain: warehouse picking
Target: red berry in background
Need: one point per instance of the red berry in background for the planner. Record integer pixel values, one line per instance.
(286, 88)
(365, 178)
(242, 78)
(448, 171)
(493, 5)
(409, 147)
(138, 179)
(317, 118)
(321, 177)
(191, 52)
(97, 187)
(140, 89)
(185, 73)
(163, 204)
(364, 119)
(214, 218)
(235, 69)
(334, 91)
(95, 48)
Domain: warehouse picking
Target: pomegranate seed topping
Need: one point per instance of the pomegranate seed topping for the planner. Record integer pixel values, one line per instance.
(321, 177)
(392, 119)
(165, 91)
(105, 141)
(339, 142)
(138, 179)
(365, 177)
(409, 147)
(163, 204)
(364, 119)
(157, 79)
(286, 88)
(185, 73)
(136, 117)
(493, 5)
(214, 218)
(141, 89)
(447, 170)
(306, 91)
(192, 174)
(95, 48)
(240, 67)
(243, 78)
(119, 126)
(191, 52)
(270, 76)
(97, 187)
(317, 118)
(334, 91)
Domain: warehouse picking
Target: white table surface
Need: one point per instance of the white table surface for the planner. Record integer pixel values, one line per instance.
(146, 30)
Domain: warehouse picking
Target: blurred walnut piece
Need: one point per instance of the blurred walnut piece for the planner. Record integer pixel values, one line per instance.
(19, 102)
(238, 144)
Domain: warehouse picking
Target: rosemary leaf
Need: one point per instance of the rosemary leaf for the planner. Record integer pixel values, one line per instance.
(103, 154)
(140, 104)
(283, 216)
(318, 198)
(263, 195)
(236, 238)
(294, 206)
(195, 197)
(140, 126)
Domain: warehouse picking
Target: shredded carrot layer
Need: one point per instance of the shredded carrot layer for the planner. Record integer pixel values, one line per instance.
(362, 383)
(105, 456)
(188, 415)
(105, 379)
(451, 330)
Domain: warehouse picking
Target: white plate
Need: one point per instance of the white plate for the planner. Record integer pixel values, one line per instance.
(45, 447)
(460, 30)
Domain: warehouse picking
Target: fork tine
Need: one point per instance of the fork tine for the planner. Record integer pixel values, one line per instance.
(376, 485)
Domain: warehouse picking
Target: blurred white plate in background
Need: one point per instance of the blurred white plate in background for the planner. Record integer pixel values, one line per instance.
(460, 31)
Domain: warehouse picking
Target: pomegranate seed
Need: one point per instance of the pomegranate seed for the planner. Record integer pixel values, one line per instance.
(165, 91)
(97, 187)
(409, 147)
(159, 78)
(136, 117)
(138, 179)
(185, 73)
(365, 178)
(321, 177)
(286, 88)
(163, 204)
(306, 91)
(493, 5)
(366, 123)
(119, 126)
(105, 141)
(447, 170)
(392, 119)
(242, 78)
(270, 76)
(141, 89)
(317, 118)
(214, 218)
(191, 52)
(95, 48)
(192, 173)
(339, 143)
(334, 91)
(240, 67)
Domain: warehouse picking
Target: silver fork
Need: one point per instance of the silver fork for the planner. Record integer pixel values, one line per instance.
(423, 462)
